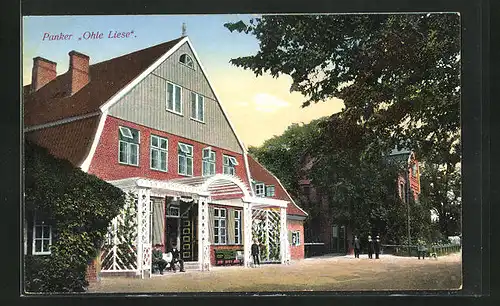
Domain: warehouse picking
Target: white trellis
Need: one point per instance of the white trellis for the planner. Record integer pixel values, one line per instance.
(266, 227)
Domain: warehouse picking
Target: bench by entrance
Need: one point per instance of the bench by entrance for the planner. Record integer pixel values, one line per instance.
(225, 257)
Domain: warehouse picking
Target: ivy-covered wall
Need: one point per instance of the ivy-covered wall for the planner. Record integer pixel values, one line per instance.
(79, 207)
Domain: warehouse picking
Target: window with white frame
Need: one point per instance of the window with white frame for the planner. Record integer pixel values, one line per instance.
(174, 98)
(42, 238)
(270, 192)
(237, 227)
(259, 189)
(197, 107)
(229, 163)
(220, 226)
(185, 159)
(208, 157)
(295, 238)
(128, 143)
(159, 153)
(186, 60)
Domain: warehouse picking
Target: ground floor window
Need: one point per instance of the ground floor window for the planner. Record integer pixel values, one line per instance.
(237, 226)
(42, 238)
(295, 238)
(220, 226)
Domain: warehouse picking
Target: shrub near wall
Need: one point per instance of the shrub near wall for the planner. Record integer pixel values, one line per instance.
(79, 207)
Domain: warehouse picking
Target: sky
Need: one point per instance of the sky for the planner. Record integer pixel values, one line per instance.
(258, 107)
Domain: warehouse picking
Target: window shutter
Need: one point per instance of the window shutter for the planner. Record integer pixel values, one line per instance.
(289, 237)
(242, 225)
(230, 225)
(211, 224)
(158, 226)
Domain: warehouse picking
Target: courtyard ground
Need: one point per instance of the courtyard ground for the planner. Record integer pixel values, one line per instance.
(312, 274)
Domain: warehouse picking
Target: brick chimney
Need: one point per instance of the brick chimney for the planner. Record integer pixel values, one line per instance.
(43, 72)
(78, 71)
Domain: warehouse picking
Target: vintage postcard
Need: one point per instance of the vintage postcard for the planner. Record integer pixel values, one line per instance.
(242, 153)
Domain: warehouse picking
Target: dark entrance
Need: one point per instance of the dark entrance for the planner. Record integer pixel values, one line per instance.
(181, 228)
(339, 239)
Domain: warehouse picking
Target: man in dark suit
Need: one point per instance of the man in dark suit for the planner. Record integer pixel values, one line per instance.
(255, 253)
(176, 258)
(357, 247)
(371, 247)
(377, 247)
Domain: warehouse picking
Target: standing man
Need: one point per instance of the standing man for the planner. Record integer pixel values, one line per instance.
(255, 252)
(176, 258)
(377, 247)
(357, 247)
(371, 247)
(421, 249)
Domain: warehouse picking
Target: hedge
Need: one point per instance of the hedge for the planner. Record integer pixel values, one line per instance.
(79, 206)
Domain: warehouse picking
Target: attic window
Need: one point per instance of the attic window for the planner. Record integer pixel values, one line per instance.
(187, 60)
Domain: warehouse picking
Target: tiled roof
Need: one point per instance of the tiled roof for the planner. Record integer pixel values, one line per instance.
(72, 141)
(259, 173)
(50, 103)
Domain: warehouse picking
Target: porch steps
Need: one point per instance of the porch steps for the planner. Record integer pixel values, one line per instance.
(191, 265)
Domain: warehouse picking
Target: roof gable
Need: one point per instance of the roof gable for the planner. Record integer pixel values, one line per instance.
(51, 102)
(259, 173)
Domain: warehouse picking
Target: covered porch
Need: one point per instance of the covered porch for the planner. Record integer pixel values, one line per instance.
(131, 252)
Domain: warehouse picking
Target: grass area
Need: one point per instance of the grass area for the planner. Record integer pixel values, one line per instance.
(320, 274)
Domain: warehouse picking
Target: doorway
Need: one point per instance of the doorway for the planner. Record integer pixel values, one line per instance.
(339, 239)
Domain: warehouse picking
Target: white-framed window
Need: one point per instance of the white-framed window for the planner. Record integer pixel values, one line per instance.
(237, 227)
(187, 60)
(414, 170)
(295, 238)
(270, 191)
(128, 146)
(208, 157)
(159, 153)
(229, 163)
(259, 189)
(42, 238)
(174, 98)
(197, 107)
(185, 159)
(220, 226)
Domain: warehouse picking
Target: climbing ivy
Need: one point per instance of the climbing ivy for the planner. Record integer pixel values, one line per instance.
(79, 207)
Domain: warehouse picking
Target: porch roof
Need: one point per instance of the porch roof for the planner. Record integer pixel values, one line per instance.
(219, 186)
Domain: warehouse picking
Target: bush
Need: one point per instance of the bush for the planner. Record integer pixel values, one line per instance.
(79, 206)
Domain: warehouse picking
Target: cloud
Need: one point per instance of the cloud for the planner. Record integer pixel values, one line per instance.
(268, 103)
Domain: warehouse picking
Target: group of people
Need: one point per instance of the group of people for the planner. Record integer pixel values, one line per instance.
(373, 247)
(176, 258)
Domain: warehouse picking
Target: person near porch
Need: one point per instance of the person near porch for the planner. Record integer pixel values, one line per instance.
(377, 247)
(371, 247)
(421, 249)
(357, 247)
(255, 252)
(176, 257)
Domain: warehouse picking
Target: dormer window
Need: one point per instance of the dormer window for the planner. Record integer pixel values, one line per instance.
(187, 60)
(229, 163)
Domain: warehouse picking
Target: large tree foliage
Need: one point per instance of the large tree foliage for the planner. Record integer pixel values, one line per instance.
(79, 207)
(398, 74)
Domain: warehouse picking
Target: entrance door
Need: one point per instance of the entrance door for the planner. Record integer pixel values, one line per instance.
(338, 239)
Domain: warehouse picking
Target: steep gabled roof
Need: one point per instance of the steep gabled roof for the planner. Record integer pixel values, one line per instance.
(51, 102)
(259, 173)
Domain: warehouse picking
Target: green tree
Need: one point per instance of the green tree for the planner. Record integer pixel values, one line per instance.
(398, 76)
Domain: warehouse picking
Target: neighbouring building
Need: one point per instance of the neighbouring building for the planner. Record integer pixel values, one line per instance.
(150, 123)
(337, 237)
(266, 184)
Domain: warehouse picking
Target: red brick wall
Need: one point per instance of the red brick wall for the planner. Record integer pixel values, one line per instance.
(105, 160)
(93, 269)
(297, 252)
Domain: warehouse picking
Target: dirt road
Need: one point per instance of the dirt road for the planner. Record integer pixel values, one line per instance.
(324, 273)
